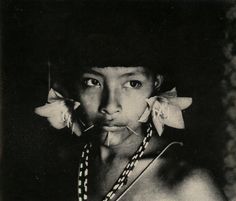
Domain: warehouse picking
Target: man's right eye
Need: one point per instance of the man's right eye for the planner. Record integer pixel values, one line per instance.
(90, 82)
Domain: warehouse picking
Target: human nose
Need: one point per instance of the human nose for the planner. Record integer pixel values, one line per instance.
(110, 103)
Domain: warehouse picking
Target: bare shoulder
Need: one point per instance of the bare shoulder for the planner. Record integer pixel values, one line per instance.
(177, 179)
(199, 185)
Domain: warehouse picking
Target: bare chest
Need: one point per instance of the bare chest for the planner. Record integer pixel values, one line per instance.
(147, 187)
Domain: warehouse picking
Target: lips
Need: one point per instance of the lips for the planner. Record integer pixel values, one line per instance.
(111, 127)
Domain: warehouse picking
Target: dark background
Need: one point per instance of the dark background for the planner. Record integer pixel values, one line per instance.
(35, 31)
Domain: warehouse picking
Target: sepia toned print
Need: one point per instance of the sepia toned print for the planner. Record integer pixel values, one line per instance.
(117, 101)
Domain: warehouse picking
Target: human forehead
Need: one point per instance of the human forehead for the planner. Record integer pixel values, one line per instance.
(119, 71)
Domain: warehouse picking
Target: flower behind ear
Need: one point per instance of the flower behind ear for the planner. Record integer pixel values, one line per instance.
(166, 110)
(59, 112)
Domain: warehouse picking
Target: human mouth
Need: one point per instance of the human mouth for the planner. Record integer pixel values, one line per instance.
(112, 127)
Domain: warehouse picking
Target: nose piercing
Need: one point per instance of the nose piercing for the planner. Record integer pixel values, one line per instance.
(81, 122)
(86, 129)
(103, 111)
(107, 139)
(90, 127)
(130, 129)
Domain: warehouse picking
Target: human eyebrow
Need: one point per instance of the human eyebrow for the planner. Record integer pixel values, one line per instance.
(133, 74)
(128, 74)
(92, 72)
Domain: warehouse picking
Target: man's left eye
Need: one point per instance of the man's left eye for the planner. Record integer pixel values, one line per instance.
(133, 84)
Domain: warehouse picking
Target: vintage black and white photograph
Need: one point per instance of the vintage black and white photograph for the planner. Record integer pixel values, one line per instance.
(126, 100)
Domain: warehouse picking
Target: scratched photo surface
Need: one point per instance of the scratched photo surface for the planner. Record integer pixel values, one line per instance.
(51, 44)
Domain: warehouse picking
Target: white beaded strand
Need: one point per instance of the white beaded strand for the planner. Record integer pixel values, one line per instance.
(123, 178)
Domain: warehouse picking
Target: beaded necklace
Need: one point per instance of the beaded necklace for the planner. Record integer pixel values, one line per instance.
(123, 178)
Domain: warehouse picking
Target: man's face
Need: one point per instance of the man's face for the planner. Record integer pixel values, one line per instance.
(113, 99)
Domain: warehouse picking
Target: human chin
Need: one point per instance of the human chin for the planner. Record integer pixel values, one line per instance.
(114, 135)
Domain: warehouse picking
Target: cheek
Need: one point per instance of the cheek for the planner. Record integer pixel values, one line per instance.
(90, 103)
(134, 105)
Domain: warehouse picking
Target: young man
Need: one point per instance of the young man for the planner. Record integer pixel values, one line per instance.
(121, 115)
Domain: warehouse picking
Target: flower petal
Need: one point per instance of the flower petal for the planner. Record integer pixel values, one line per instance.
(150, 101)
(54, 95)
(76, 128)
(174, 117)
(51, 109)
(158, 125)
(58, 113)
(181, 102)
(76, 105)
(166, 110)
(144, 117)
(169, 94)
(57, 122)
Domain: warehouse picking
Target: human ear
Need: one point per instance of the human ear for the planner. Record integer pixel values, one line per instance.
(158, 80)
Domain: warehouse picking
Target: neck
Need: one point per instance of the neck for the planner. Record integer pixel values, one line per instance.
(124, 150)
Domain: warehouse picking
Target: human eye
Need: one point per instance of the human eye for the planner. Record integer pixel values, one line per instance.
(91, 82)
(136, 84)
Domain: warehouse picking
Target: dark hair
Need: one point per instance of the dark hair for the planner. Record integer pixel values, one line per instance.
(102, 50)
(115, 37)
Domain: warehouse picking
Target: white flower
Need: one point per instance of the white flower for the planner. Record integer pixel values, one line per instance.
(59, 112)
(166, 110)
